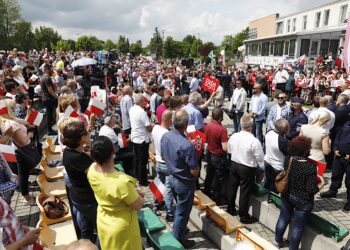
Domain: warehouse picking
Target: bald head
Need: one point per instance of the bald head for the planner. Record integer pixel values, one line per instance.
(139, 99)
(166, 118)
(180, 120)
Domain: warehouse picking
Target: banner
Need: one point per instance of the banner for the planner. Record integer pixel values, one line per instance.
(198, 139)
(210, 84)
(346, 51)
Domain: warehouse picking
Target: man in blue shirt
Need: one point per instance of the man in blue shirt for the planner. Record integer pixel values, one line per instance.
(180, 157)
(195, 116)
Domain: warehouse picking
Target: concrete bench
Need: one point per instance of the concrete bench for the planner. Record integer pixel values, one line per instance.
(163, 240)
(150, 221)
(224, 220)
(202, 201)
(328, 228)
(57, 188)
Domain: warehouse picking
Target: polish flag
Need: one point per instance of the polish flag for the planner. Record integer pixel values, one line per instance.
(97, 107)
(35, 118)
(321, 166)
(24, 87)
(3, 108)
(122, 141)
(33, 78)
(88, 111)
(8, 152)
(158, 189)
(70, 112)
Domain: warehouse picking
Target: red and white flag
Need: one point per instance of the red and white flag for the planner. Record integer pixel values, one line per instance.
(8, 152)
(122, 141)
(70, 112)
(24, 86)
(97, 107)
(158, 189)
(33, 78)
(88, 111)
(3, 108)
(35, 118)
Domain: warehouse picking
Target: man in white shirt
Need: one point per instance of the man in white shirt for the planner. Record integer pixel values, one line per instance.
(323, 107)
(194, 85)
(125, 105)
(281, 77)
(108, 130)
(257, 109)
(162, 170)
(139, 82)
(237, 104)
(276, 149)
(246, 154)
(140, 129)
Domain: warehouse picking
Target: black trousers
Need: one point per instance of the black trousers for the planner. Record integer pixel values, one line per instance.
(217, 172)
(50, 106)
(243, 177)
(339, 168)
(140, 161)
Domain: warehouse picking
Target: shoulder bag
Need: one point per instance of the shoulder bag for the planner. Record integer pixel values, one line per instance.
(282, 179)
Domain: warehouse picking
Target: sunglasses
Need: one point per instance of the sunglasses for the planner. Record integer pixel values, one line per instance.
(281, 98)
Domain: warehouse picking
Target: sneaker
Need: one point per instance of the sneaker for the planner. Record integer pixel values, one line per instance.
(284, 244)
(169, 218)
(188, 243)
(328, 194)
(347, 206)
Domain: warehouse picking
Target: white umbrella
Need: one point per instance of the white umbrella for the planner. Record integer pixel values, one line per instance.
(83, 62)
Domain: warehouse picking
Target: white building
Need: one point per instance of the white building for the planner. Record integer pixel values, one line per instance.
(313, 32)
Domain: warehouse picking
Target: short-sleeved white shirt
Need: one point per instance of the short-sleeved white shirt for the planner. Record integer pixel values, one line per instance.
(157, 134)
(139, 121)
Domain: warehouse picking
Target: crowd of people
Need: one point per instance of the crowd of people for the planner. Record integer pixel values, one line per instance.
(154, 103)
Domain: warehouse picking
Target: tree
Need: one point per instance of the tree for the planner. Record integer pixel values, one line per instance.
(156, 44)
(231, 43)
(109, 44)
(206, 48)
(9, 17)
(189, 39)
(196, 45)
(136, 48)
(89, 43)
(63, 45)
(45, 37)
(23, 36)
(123, 46)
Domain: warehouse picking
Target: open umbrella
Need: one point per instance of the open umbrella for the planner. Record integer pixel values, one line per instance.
(83, 62)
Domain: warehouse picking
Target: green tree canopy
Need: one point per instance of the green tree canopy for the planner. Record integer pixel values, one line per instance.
(156, 44)
(89, 43)
(109, 44)
(45, 37)
(136, 48)
(231, 43)
(123, 45)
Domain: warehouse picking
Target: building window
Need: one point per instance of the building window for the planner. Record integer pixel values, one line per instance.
(305, 47)
(329, 46)
(292, 48)
(314, 47)
(288, 26)
(254, 49)
(294, 25)
(343, 13)
(278, 48)
(279, 28)
(326, 17)
(272, 48)
(252, 34)
(304, 22)
(286, 48)
(265, 49)
(317, 19)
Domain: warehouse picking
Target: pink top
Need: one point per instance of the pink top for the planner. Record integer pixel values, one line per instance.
(161, 108)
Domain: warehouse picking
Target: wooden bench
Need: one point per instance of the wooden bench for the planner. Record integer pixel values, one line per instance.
(163, 240)
(202, 201)
(57, 188)
(253, 239)
(224, 220)
(48, 221)
(57, 236)
(48, 156)
(51, 173)
(150, 221)
(54, 149)
(328, 228)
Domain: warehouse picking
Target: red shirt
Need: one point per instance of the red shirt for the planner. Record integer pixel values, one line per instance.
(216, 134)
(161, 108)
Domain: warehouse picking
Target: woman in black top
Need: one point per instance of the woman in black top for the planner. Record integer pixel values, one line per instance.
(77, 160)
(299, 198)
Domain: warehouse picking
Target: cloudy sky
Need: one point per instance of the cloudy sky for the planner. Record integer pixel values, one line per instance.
(136, 19)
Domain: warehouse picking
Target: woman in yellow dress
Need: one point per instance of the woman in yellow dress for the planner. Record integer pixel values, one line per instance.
(117, 197)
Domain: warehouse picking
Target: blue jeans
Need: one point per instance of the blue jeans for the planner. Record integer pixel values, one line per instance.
(184, 195)
(86, 218)
(258, 130)
(302, 210)
(163, 175)
(237, 120)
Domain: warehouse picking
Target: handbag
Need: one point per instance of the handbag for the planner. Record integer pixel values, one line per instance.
(55, 208)
(282, 179)
(28, 155)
